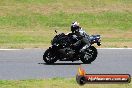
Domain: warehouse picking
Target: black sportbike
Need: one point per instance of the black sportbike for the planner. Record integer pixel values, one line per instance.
(63, 49)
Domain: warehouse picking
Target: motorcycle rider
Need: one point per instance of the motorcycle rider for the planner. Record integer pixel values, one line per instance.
(80, 35)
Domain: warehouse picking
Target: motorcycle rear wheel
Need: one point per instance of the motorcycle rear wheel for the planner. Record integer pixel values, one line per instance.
(90, 55)
(48, 57)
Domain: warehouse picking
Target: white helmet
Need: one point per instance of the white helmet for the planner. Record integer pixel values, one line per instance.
(74, 26)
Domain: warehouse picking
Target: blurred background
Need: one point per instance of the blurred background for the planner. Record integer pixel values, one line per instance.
(31, 23)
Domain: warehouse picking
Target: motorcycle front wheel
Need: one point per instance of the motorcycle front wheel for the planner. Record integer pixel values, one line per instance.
(48, 57)
(89, 55)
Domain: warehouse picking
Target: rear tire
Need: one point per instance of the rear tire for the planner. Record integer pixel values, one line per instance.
(48, 57)
(89, 55)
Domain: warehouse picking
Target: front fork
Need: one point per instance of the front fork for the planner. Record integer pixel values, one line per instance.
(84, 48)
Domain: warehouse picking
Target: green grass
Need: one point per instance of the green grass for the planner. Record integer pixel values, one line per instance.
(33, 21)
(56, 83)
(104, 20)
(118, 39)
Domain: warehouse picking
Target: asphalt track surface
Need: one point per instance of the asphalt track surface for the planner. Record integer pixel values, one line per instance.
(28, 64)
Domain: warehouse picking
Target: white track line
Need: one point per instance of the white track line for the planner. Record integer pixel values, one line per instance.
(114, 48)
(38, 48)
(10, 49)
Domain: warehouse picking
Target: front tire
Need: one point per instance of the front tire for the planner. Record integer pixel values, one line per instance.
(89, 55)
(48, 57)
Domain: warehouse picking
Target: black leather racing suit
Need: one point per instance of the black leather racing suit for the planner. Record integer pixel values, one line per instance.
(83, 38)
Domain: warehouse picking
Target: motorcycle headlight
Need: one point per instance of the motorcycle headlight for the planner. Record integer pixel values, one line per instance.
(97, 37)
